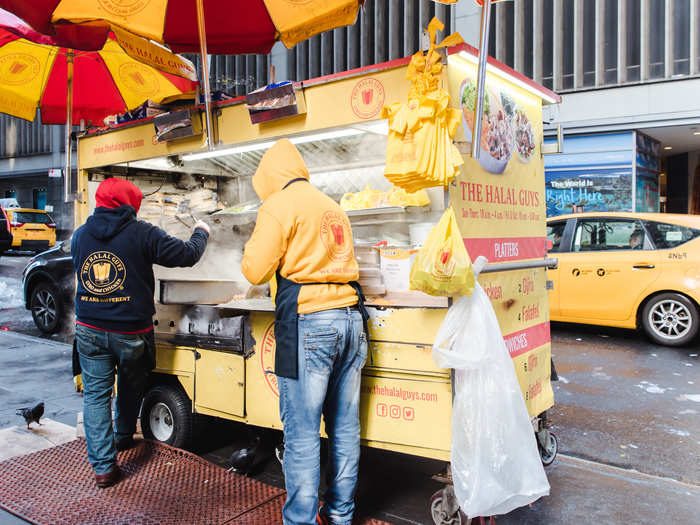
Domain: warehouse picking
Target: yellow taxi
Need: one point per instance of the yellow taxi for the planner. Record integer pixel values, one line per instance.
(630, 270)
(31, 229)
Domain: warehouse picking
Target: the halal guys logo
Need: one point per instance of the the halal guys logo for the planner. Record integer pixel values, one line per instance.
(102, 273)
(18, 68)
(267, 359)
(124, 7)
(336, 236)
(138, 78)
(367, 98)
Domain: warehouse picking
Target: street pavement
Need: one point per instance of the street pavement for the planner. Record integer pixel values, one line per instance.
(626, 415)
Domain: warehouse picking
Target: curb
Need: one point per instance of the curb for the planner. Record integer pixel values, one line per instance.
(34, 339)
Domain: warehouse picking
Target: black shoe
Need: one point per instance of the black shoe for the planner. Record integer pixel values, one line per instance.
(107, 480)
(124, 443)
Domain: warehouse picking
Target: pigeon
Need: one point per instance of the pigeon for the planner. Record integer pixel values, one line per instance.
(242, 460)
(32, 415)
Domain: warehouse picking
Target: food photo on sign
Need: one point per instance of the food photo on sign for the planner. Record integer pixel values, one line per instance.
(506, 128)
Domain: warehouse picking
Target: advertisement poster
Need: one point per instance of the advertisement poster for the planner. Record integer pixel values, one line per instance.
(604, 189)
(647, 197)
(499, 198)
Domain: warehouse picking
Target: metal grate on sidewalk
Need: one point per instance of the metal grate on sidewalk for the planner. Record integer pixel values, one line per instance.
(160, 485)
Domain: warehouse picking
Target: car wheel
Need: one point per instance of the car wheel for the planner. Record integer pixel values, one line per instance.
(46, 307)
(670, 319)
(166, 416)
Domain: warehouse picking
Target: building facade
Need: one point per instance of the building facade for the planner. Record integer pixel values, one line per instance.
(629, 67)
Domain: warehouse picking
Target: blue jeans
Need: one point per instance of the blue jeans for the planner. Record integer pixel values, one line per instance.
(332, 352)
(99, 353)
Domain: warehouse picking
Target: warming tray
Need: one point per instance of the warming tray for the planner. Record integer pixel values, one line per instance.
(201, 291)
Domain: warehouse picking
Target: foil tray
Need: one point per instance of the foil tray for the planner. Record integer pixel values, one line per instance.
(212, 292)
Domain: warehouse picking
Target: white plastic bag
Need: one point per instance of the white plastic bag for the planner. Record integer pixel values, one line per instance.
(496, 466)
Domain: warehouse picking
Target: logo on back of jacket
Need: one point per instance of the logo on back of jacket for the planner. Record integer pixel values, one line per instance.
(102, 273)
(336, 236)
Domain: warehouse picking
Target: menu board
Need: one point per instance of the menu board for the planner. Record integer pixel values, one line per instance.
(499, 200)
(499, 197)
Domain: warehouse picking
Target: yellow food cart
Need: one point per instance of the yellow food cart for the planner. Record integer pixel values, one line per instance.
(215, 340)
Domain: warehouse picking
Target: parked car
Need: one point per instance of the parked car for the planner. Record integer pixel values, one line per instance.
(5, 232)
(31, 229)
(630, 270)
(48, 281)
(9, 202)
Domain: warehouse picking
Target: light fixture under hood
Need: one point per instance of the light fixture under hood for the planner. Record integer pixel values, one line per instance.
(257, 146)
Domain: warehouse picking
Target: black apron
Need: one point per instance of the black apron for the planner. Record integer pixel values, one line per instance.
(286, 319)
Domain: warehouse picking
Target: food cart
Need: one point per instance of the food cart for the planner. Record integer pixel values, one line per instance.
(214, 333)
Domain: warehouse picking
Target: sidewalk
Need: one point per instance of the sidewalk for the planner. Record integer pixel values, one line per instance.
(583, 492)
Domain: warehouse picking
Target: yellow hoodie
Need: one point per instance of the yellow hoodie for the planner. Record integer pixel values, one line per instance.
(300, 231)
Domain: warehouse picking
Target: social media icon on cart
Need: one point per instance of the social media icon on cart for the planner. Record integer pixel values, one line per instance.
(395, 411)
(409, 413)
(381, 410)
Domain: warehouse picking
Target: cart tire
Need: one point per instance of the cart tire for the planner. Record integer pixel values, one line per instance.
(166, 416)
(548, 454)
(439, 516)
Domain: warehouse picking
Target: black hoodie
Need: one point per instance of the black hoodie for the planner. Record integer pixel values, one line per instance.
(113, 255)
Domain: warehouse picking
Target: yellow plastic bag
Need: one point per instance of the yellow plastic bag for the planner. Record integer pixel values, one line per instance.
(362, 200)
(400, 197)
(442, 266)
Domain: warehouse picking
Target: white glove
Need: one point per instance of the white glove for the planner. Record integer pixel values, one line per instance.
(202, 225)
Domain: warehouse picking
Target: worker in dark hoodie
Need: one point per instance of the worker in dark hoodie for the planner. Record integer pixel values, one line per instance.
(303, 242)
(113, 254)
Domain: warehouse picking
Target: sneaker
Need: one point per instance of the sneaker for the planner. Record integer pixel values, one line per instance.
(109, 479)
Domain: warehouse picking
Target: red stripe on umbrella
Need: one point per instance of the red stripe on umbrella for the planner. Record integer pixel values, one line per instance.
(233, 26)
(94, 92)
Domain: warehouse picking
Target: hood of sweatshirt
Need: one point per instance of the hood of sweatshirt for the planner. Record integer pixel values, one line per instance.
(105, 223)
(279, 165)
(115, 192)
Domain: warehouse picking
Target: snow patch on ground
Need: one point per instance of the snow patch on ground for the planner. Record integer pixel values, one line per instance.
(693, 397)
(651, 388)
(677, 432)
(10, 293)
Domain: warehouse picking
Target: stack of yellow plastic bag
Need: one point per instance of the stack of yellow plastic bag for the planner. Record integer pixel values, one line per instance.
(362, 200)
(369, 198)
(442, 266)
(400, 197)
(420, 151)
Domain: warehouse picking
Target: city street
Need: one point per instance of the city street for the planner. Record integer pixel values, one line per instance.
(626, 416)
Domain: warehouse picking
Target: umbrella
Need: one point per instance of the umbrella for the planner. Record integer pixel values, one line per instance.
(217, 26)
(36, 73)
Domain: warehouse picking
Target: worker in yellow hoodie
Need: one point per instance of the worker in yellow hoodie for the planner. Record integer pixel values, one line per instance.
(303, 240)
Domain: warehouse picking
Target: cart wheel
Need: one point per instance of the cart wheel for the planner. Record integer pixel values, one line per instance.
(548, 451)
(166, 416)
(442, 514)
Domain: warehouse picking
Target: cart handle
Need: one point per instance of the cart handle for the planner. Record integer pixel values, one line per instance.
(547, 262)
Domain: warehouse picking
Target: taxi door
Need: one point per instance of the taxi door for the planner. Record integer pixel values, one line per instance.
(609, 267)
(560, 243)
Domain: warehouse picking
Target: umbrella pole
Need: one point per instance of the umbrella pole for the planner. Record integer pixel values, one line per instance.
(205, 70)
(481, 78)
(67, 173)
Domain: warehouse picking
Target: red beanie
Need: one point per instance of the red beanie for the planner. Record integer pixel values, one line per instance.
(114, 192)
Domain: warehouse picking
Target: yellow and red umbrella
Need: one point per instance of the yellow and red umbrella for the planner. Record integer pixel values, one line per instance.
(208, 26)
(34, 74)
(232, 26)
